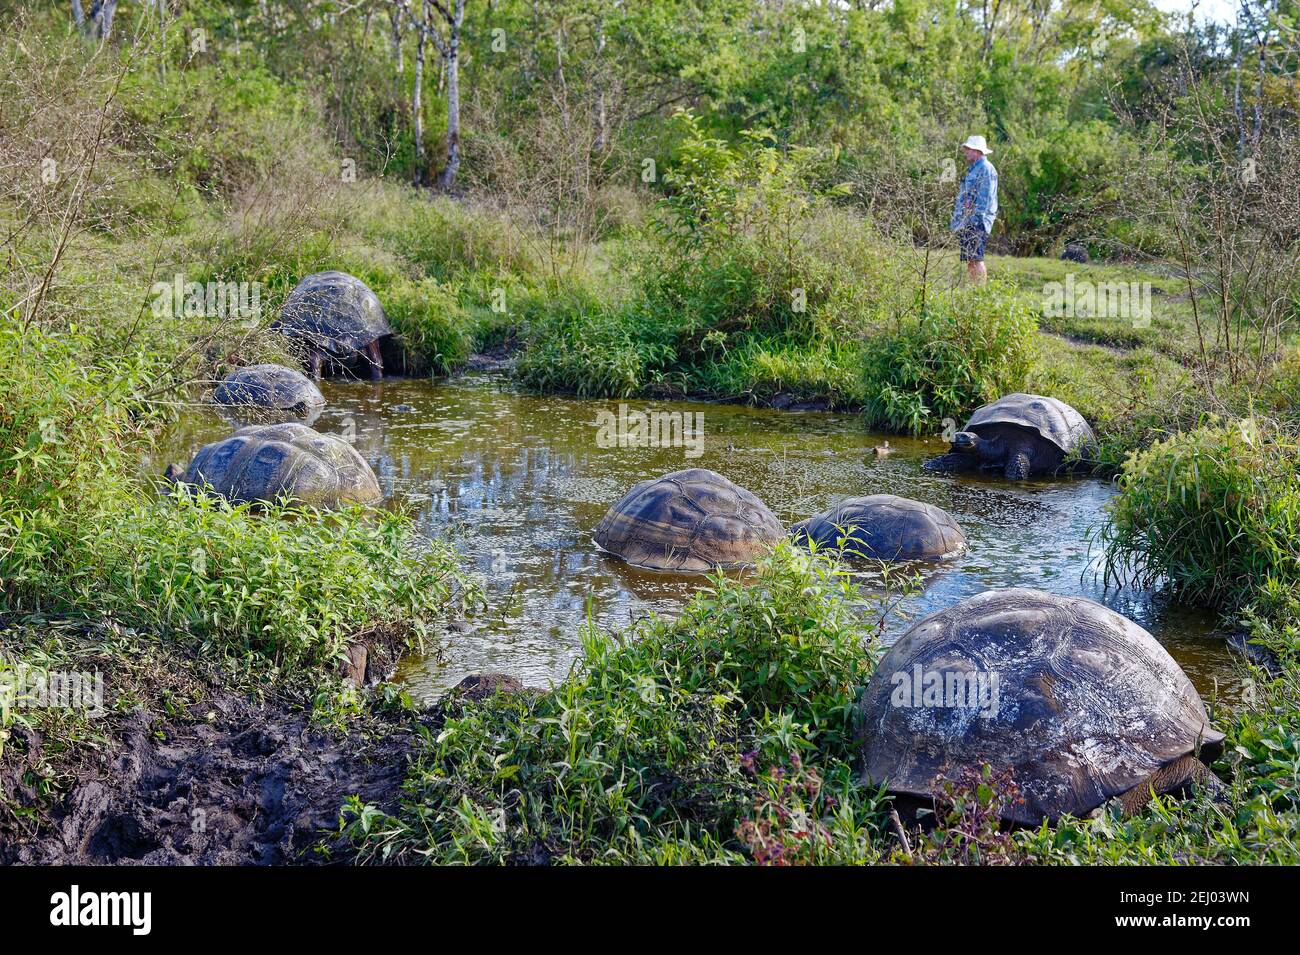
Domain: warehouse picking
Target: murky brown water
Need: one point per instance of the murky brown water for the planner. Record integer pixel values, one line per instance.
(518, 482)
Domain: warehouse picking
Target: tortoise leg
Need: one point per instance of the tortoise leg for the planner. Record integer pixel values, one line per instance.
(1175, 776)
(314, 362)
(376, 360)
(1018, 465)
(954, 461)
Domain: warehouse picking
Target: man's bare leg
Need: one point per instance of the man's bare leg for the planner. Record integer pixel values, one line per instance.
(978, 274)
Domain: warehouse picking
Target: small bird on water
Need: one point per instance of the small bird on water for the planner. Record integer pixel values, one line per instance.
(882, 450)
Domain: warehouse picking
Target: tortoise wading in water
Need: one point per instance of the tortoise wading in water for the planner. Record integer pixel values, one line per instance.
(1020, 435)
(1077, 703)
(689, 521)
(884, 527)
(338, 315)
(266, 462)
(273, 387)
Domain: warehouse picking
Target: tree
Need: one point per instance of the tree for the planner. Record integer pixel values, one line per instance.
(446, 37)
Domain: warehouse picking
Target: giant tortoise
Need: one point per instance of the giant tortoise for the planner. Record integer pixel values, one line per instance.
(337, 315)
(1075, 702)
(267, 462)
(689, 521)
(1020, 435)
(884, 527)
(273, 388)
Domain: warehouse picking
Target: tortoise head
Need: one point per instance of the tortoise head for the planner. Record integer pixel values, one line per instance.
(966, 442)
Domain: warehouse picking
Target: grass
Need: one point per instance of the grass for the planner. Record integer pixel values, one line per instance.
(290, 584)
(963, 349)
(1215, 511)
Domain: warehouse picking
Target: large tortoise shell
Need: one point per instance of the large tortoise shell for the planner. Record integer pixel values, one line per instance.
(335, 312)
(1086, 705)
(884, 527)
(689, 521)
(268, 386)
(266, 462)
(1050, 419)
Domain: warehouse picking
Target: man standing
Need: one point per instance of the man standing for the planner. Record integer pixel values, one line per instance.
(976, 207)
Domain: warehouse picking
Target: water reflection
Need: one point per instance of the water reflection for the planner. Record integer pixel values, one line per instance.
(518, 482)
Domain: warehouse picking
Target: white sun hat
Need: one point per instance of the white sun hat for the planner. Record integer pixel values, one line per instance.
(977, 142)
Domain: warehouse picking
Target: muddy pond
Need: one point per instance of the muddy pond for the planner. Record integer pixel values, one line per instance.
(518, 482)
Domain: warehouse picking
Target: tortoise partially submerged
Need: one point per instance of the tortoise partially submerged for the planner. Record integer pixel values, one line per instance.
(1020, 435)
(689, 521)
(1075, 702)
(270, 387)
(884, 527)
(337, 315)
(267, 462)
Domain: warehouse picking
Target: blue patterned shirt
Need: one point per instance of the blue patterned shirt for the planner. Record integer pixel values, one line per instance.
(977, 199)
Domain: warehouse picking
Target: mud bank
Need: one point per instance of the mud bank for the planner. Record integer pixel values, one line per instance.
(187, 766)
(253, 786)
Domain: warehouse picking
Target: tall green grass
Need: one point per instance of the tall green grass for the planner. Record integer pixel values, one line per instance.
(289, 584)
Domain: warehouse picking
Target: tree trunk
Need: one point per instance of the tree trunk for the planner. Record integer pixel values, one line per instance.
(602, 132)
(417, 108)
(395, 17)
(448, 178)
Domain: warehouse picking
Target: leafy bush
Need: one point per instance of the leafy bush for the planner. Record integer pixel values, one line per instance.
(432, 328)
(576, 344)
(287, 583)
(964, 348)
(1058, 178)
(1215, 511)
(745, 285)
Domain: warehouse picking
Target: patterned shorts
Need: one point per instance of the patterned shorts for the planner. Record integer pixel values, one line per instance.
(972, 238)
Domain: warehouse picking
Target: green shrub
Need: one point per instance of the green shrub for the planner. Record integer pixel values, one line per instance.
(290, 584)
(747, 283)
(67, 422)
(575, 344)
(1216, 511)
(432, 327)
(964, 348)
